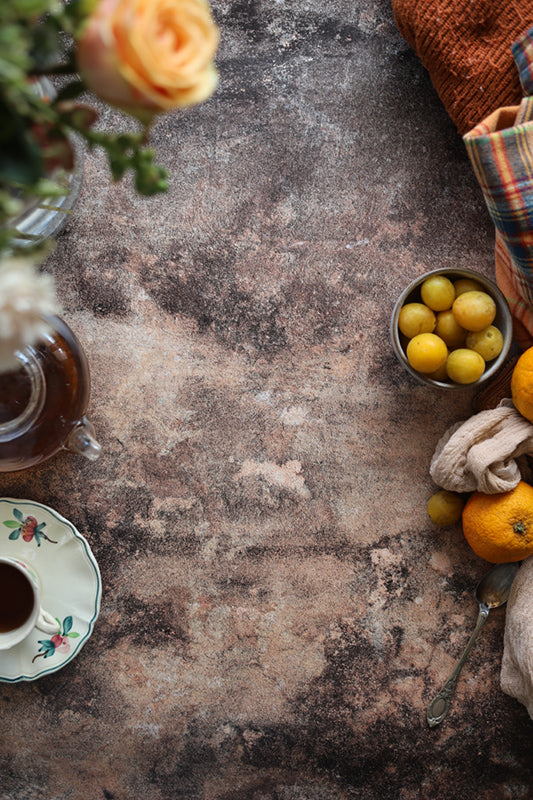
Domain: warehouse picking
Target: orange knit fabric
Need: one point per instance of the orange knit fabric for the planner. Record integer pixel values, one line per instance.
(465, 45)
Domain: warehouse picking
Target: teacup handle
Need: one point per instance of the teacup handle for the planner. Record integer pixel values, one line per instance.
(47, 623)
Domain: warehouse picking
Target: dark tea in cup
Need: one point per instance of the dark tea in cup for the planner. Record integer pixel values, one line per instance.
(20, 603)
(17, 598)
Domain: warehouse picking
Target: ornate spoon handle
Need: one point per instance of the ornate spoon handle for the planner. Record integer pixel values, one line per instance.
(440, 705)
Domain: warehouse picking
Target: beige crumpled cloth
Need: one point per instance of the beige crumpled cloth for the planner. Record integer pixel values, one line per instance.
(485, 453)
(516, 677)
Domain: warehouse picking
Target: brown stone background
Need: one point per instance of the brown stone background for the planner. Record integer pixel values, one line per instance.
(278, 610)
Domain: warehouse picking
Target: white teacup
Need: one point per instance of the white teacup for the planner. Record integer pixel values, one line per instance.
(20, 603)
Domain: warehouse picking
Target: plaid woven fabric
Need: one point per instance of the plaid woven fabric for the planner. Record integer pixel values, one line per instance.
(501, 152)
(522, 51)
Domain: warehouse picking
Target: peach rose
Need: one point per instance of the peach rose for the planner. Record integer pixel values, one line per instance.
(149, 56)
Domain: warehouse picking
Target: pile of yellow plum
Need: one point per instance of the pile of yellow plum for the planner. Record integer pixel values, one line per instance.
(450, 332)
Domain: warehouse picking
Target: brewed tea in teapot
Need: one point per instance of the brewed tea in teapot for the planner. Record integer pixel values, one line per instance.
(43, 402)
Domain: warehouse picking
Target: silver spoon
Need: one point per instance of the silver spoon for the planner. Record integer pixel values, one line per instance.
(491, 592)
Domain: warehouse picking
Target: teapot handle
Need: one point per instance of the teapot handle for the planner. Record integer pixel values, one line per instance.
(82, 440)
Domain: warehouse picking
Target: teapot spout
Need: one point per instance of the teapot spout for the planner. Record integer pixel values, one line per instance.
(82, 440)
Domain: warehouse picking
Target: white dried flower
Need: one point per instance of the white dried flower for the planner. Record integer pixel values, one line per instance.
(25, 297)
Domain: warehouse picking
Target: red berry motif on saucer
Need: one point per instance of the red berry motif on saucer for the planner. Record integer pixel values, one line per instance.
(27, 527)
(59, 642)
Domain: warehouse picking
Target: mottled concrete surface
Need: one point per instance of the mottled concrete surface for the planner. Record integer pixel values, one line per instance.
(278, 611)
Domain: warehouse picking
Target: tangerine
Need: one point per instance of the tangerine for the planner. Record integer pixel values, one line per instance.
(499, 527)
(522, 384)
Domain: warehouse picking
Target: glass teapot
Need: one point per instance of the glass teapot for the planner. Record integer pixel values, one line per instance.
(43, 402)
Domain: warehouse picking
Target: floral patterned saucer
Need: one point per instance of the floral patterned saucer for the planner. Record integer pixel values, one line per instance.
(71, 587)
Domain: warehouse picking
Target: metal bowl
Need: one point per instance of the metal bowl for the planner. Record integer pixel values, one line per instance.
(503, 321)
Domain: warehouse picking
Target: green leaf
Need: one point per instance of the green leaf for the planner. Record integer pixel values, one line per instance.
(20, 157)
(11, 523)
(46, 45)
(9, 206)
(18, 514)
(118, 165)
(73, 635)
(151, 182)
(47, 647)
(67, 625)
(76, 12)
(15, 534)
(30, 8)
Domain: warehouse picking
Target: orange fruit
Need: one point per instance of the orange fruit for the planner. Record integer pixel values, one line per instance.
(522, 384)
(499, 527)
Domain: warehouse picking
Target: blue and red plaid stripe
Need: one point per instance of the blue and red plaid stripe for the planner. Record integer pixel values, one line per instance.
(522, 51)
(500, 149)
